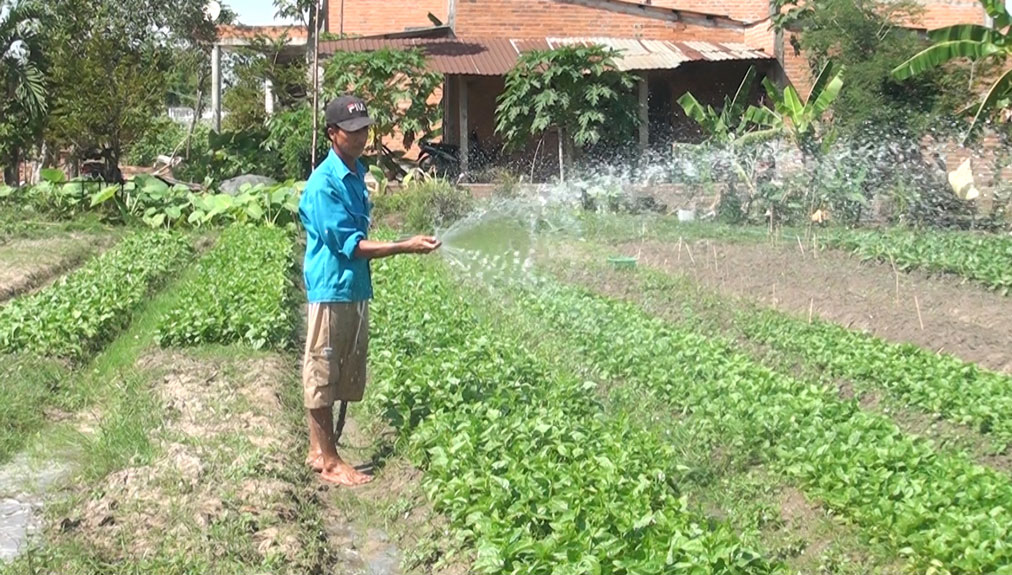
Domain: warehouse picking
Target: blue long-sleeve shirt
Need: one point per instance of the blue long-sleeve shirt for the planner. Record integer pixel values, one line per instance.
(334, 210)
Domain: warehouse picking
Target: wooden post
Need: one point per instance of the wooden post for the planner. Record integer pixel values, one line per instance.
(216, 87)
(462, 124)
(644, 111)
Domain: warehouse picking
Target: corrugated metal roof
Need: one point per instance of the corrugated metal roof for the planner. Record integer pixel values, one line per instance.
(497, 56)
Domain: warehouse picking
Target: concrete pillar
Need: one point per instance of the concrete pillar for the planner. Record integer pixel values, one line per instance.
(462, 125)
(644, 111)
(216, 88)
(269, 96)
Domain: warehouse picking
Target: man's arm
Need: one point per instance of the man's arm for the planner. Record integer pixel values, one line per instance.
(370, 250)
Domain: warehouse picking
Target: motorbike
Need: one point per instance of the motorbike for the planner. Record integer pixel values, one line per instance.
(444, 159)
(441, 159)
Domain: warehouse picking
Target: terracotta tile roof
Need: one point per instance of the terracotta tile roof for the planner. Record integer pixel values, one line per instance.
(497, 56)
(272, 32)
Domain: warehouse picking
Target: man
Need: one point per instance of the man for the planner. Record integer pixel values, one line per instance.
(334, 210)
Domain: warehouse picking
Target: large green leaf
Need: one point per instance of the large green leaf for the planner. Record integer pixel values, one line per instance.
(941, 53)
(971, 32)
(826, 96)
(821, 81)
(695, 110)
(53, 176)
(792, 105)
(763, 117)
(999, 90)
(740, 97)
(150, 185)
(103, 196)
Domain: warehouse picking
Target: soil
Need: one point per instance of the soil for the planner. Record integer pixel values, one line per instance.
(959, 318)
(188, 487)
(27, 264)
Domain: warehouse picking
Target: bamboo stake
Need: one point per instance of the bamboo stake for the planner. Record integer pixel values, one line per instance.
(920, 320)
(679, 248)
(689, 250)
(811, 308)
(896, 272)
(800, 246)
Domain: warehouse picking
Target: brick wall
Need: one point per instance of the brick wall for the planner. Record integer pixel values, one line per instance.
(797, 68)
(761, 37)
(744, 10)
(540, 18)
(941, 13)
(370, 17)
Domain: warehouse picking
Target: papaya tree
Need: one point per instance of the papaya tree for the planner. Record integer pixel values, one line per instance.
(973, 42)
(398, 86)
(573, 91)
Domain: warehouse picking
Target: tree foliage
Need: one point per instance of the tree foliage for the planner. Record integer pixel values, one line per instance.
(867, 38)
(107, 85)
(396, 85)
(975, 43)
(254, 64)
(576, 90)
(24, 88)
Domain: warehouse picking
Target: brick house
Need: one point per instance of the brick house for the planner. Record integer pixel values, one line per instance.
(674, 46)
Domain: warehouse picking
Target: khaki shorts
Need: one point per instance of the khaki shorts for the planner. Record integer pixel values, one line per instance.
(337, 347)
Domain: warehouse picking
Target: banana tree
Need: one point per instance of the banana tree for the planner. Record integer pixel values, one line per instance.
(727, 124)
(799, 120)
(976, 43)
(802, 122)
(729, 128)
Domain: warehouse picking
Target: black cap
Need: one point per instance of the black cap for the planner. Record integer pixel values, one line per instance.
(348, 113)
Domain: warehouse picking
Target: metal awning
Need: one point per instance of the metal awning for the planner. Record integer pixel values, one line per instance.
(497, 56)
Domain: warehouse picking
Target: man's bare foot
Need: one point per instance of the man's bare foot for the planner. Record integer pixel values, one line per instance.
(341, 473)
(315, 461)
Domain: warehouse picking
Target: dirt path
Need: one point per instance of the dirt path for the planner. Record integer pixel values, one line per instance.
(27, 264)
(959, 319)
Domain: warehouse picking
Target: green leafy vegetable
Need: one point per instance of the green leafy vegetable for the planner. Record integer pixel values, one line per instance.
(242, 292)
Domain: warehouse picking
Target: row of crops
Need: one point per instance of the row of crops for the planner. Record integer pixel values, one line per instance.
(504, 434)
(519, 455)
(938, 384)
(242, 292)
(986, 259)
(84, 310)
(943, 512)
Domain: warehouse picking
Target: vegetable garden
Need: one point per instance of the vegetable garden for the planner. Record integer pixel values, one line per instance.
(556, 427)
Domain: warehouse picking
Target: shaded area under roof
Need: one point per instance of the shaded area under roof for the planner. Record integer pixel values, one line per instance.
(497, 56)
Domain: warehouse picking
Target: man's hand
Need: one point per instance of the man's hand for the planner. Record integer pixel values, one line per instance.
(421, 244)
